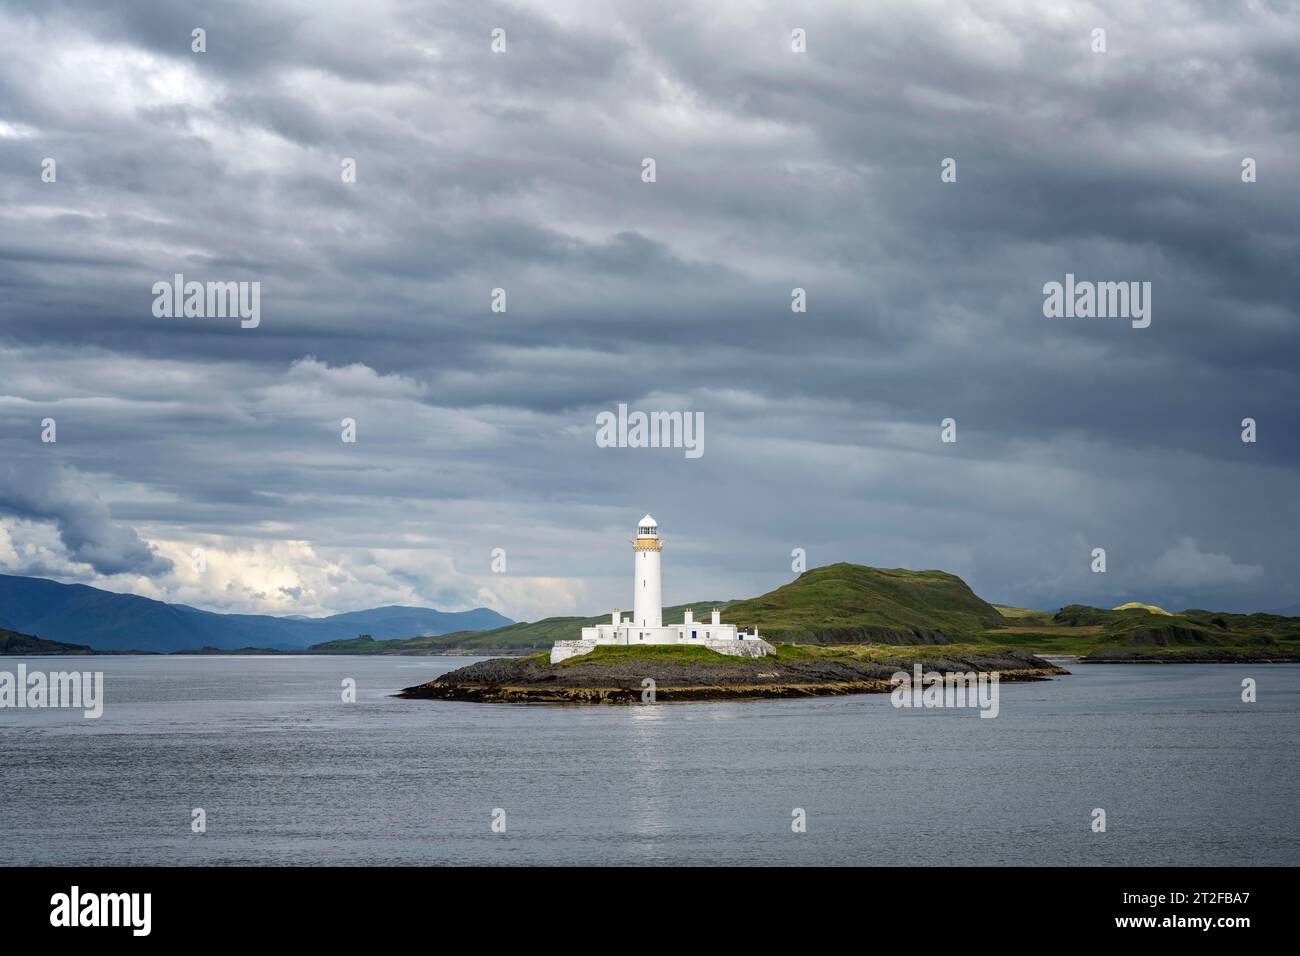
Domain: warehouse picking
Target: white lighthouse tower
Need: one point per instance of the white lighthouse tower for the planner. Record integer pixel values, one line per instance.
(647, 603)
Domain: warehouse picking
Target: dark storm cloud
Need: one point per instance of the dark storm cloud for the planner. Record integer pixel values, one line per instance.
(57, 494)
(775, 170)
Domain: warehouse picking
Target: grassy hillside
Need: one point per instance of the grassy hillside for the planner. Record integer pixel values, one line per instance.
(1023, 615)
(851, 603)
(1140, 631)
(1131, 605)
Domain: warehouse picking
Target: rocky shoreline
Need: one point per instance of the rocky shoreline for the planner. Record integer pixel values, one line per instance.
(532, 680)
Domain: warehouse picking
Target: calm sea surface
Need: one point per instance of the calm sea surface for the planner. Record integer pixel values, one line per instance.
(289, 774)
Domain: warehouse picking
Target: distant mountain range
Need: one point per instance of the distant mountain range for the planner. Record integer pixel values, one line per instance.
(844, 604)
(79, 614)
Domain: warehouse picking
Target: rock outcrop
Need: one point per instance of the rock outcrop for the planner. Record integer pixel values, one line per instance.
(533, 680)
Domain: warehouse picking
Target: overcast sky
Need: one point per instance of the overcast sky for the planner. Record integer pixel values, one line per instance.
(522, 170)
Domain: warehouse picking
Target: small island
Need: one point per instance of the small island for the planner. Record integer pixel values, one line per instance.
(616, 675)
(841, 629)
(639, 657)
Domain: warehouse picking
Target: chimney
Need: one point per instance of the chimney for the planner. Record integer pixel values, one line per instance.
(613, 618)
(717, 616)
(687, 619)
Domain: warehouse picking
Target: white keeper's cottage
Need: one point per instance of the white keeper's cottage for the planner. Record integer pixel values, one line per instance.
(646, 625)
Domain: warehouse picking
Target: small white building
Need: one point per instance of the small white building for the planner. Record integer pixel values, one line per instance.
(646, 626)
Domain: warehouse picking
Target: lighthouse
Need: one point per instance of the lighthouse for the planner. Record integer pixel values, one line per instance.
(646, 625)
(647, 601)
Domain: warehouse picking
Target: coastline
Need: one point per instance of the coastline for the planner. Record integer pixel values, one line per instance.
(1210, 658)
(534, 681)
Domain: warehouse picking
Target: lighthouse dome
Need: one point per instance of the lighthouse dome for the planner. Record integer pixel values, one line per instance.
(647, 526)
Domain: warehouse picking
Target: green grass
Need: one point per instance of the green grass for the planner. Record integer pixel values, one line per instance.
(1149, 608)
(814, 652)
(1041, 642)
(882, 603)
(785, 653)
(1023, 615)
(878, 652)
(614, 653)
